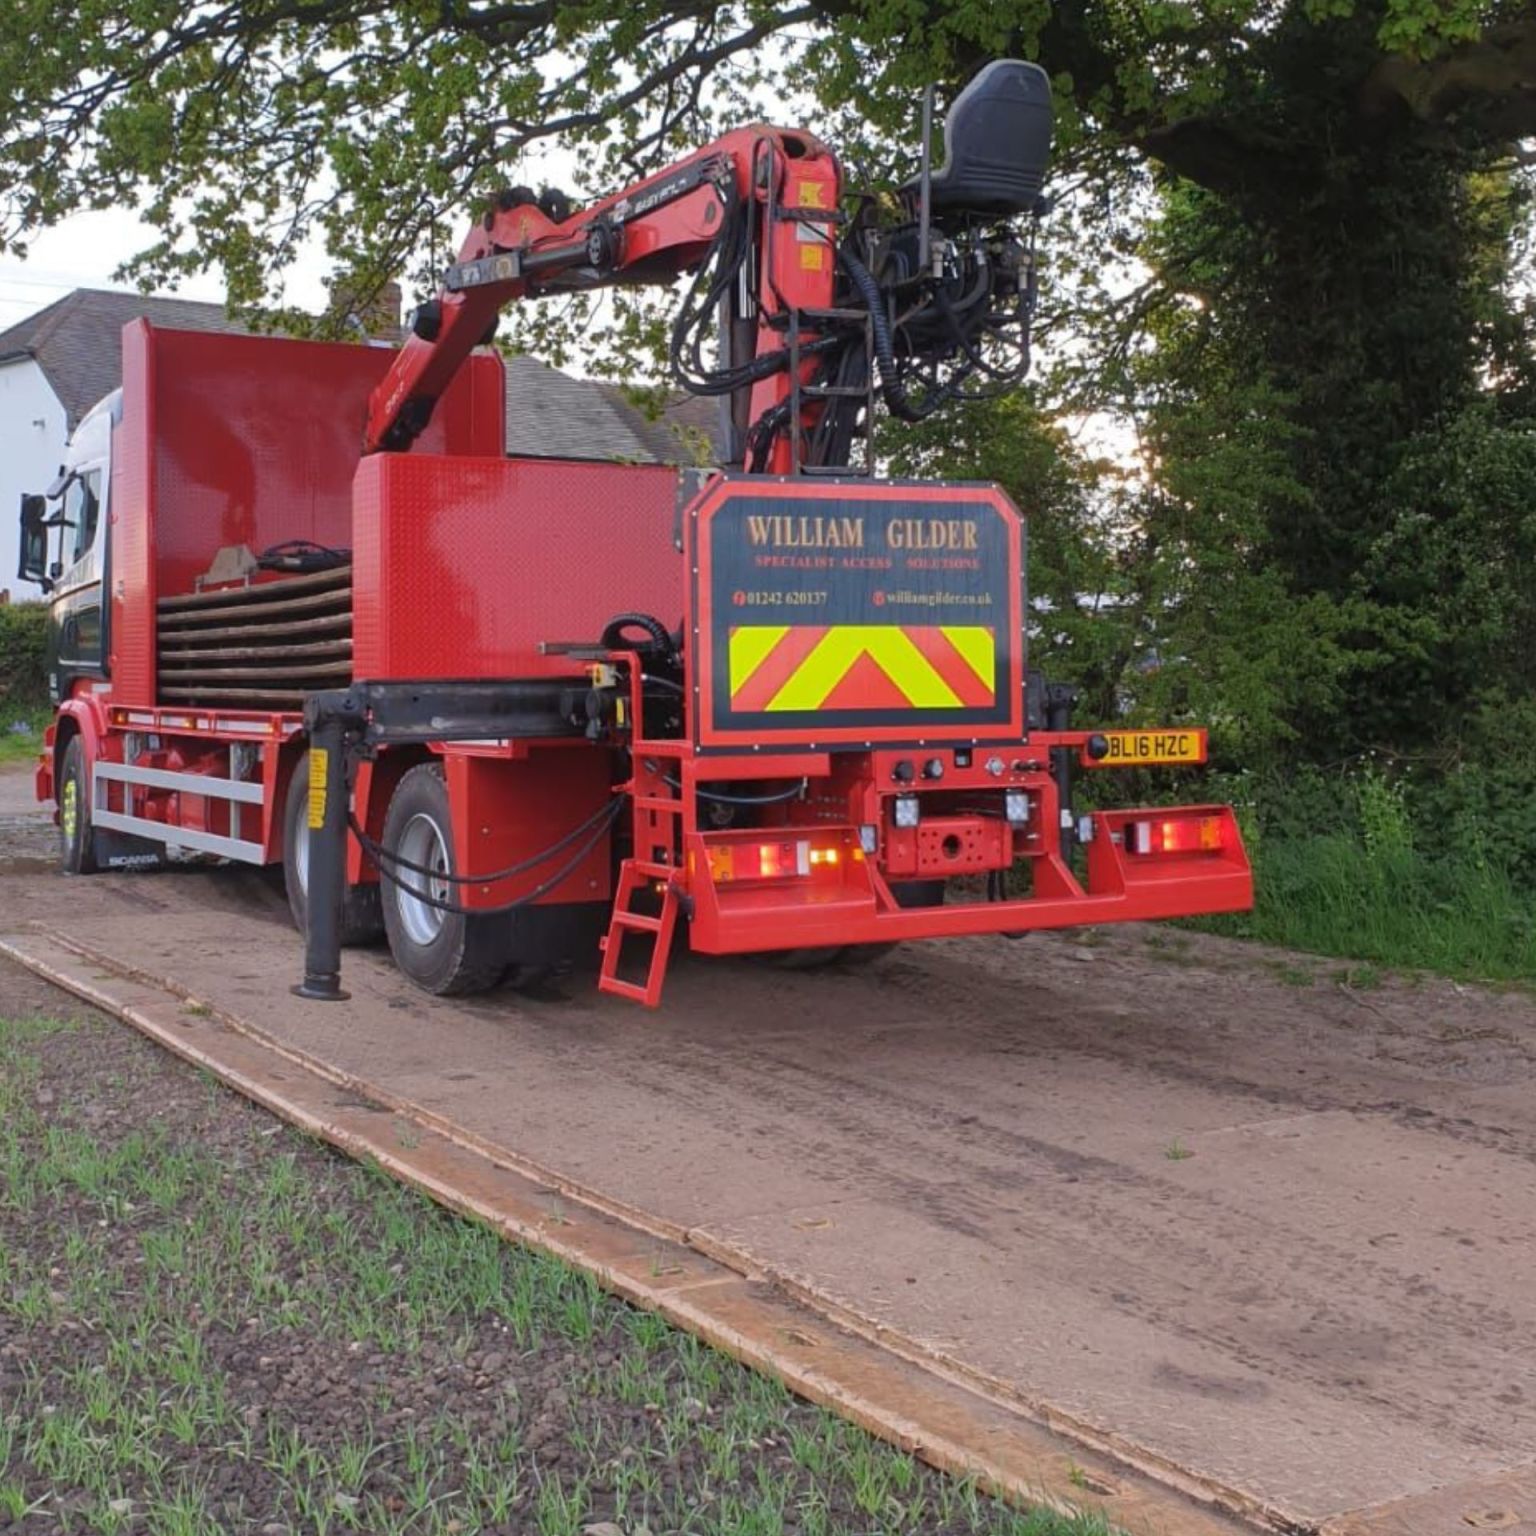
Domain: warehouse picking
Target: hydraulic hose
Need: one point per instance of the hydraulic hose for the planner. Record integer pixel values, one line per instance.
(660, 637)
(892, 389)
(777, 798)
(604, 820)
(381, 855)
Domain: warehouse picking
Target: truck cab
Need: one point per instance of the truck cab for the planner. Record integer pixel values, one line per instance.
(64, 549)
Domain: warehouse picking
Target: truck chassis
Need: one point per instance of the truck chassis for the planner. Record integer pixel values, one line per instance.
(507, 711)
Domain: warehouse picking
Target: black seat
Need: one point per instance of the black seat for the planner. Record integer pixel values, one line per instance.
(997, 140)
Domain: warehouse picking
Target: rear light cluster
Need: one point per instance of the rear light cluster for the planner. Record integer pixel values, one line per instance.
(1185, 834)
(787, 859)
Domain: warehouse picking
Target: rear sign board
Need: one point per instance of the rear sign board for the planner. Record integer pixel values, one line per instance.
(831, 614)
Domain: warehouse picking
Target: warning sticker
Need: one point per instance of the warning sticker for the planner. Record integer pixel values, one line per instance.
(319, 777)
(782, 669)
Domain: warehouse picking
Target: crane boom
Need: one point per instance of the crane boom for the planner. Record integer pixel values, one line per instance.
(650, 232)
(803, 307)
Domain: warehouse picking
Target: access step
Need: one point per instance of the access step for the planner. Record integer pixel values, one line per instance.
(636, 875)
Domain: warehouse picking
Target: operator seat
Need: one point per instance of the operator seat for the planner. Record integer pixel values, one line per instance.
(997, 140)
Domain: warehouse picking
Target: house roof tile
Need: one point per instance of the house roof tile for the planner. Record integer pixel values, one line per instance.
(77, 344)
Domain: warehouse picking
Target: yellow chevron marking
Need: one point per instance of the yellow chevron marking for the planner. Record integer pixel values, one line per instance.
(975, 644)
(841, 647)
(749, 647)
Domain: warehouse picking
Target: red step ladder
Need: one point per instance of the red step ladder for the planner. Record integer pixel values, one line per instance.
(655, 818)
(635, 876)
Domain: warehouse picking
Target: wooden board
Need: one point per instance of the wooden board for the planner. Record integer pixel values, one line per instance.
(227, 597)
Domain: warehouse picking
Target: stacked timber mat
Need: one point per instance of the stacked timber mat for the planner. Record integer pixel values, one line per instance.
(257, 646)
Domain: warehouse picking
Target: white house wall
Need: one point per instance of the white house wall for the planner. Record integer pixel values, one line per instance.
(32, 438)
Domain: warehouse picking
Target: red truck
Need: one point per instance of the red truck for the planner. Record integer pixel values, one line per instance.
(506, 710)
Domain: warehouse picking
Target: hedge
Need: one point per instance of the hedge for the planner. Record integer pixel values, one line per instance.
(23, 636)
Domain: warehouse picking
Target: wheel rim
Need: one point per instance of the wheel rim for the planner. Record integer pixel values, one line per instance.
(301, 854)
(421, 843)
(69, 809)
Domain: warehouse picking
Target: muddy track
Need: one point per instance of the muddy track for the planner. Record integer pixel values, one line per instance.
(1278, 1234)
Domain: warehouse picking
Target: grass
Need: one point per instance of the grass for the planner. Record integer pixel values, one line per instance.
(1459, 915)
(1291, 974)
(21, 733)
(143, 1268)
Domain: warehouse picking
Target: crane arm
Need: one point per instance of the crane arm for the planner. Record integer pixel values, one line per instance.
(648, 233)
(800, 308)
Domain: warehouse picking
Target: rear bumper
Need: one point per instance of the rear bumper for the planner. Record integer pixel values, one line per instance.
(858, 906)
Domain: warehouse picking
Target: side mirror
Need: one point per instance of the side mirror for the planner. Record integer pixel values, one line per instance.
(33, 565)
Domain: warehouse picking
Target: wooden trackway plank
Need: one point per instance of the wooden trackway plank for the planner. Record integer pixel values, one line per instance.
(233, 698)
(225, 597)
(272, 605)
(891, 1394)
(188, 655)
(252, 628)
(1494, 1504)
(277, 672)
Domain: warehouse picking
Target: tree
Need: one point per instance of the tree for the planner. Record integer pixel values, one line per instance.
(240, 127)
(1322, 197)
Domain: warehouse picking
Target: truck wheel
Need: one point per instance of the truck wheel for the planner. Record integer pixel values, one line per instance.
(449, 953)
(809, 957)
(77, 837)
(362, 920)
(909, 893)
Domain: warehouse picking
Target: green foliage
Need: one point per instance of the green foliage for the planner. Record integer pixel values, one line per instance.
(1290, 260)
(244, 131)
(1348, 865)
(1483, 801)
(1454, 574)
(23, 641)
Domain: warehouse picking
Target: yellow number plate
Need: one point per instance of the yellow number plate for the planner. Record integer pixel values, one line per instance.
(1149, 749)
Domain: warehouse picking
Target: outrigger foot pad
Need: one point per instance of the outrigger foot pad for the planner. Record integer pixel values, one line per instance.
(321, 989)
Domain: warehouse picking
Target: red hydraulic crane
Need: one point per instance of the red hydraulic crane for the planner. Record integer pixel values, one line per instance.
(510, 710)
(809, 306)
(780, 189)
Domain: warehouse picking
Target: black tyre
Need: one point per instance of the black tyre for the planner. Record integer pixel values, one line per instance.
(910, 893)
(78, 848)
(362, 917)
(855, 957)
(806, 958)
(445, 952)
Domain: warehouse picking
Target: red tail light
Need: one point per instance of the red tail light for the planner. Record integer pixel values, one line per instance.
(1175, 834)
(787, 859)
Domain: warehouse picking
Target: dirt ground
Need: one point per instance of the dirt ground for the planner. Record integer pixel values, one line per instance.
(209, 1322)
(1257, 1218)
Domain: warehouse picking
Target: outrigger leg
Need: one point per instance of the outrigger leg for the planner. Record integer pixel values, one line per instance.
(328, 717)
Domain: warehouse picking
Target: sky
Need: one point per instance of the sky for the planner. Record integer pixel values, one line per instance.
(84, 251)
(87, 248)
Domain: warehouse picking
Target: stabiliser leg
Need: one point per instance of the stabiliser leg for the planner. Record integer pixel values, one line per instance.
(328, 717)
(1059, 701)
